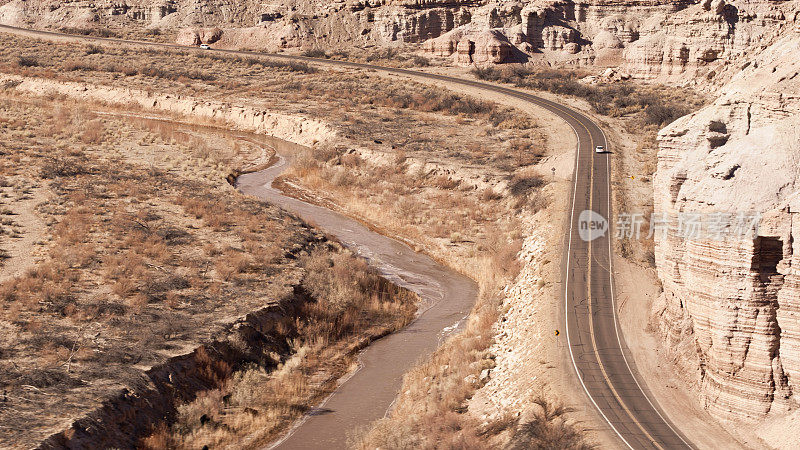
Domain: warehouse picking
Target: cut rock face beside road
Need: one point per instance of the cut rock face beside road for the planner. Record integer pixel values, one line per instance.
(731, 309)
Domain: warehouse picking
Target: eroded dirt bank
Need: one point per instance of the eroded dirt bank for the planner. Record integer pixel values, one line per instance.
(128, 416)
(265, 338)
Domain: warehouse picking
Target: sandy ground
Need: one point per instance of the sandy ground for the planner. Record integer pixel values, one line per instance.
(21, 247)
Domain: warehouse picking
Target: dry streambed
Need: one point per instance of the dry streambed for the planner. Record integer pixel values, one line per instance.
(447, 298)
(140, 262)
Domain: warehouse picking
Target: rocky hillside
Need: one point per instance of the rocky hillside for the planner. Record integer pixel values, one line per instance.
(731, 307)
(651, 38)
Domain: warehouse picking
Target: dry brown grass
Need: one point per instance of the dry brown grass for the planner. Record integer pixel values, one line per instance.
(476, 233)
(345, 305)
(647, 105)
(548, 428)
(139, 265)
(439, 211)
(362, 106)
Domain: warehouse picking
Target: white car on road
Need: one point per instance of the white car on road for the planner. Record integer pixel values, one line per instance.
(599, 149)
(205, 46)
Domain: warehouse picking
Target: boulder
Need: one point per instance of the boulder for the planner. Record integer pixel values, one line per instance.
(188, 36)
(606, 39)
(197, 36)
(572, 48)
(491, 47)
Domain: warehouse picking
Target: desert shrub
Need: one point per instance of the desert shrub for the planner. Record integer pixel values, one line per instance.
(27, 61)
(433, 100)
(305, 161)
(93, 132)
(489, 194)
(100, 32)
(444, 182)
(338, 176)
(656, 106)
(385, 53)
(548, 430)
(316, 53)
(94, 50)
(486, 73)
(537, 202)
(175, 74)
(661, 115)
(58, 166)
(523, 185)
(291, 66)
(351, 160)
(75, 66)
(421, 61)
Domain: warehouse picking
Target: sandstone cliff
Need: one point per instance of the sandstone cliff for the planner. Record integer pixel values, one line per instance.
(730, 309)
(661, 39)
(699, 43)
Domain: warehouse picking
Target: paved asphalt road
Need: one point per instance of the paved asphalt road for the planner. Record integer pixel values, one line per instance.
(596, 348)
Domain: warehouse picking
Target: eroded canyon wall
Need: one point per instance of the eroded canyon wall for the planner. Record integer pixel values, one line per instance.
(730, 309)
(662, 39)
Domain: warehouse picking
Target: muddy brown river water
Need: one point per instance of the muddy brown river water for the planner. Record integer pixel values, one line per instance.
(446, 295)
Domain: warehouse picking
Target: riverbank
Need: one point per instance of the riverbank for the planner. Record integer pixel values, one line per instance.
(475, 126)
(150, 290)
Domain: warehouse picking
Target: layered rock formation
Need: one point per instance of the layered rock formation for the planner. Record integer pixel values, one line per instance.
(731, 308)
(654, 38)
(700, 41)
(471, 47)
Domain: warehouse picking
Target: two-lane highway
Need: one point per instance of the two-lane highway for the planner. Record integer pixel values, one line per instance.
(596, 350)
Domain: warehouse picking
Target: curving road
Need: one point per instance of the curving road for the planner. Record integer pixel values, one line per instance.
(596, 349)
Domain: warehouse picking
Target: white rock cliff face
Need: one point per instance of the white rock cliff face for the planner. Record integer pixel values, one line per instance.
(696, 44)
(660, 39)
(730, 309)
